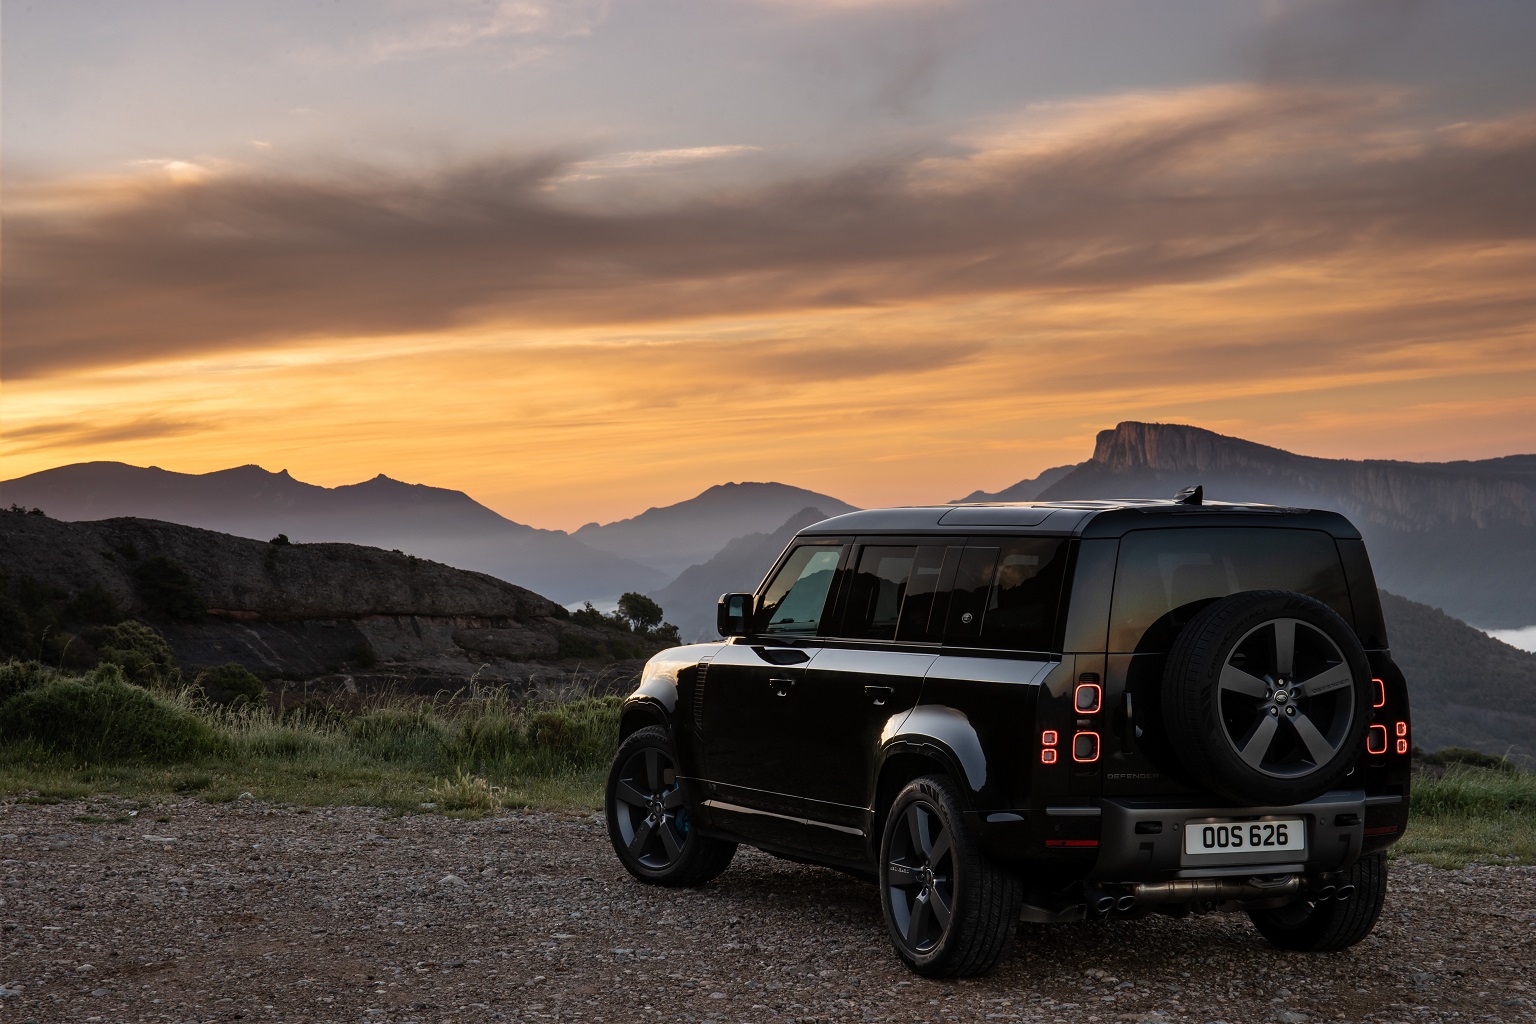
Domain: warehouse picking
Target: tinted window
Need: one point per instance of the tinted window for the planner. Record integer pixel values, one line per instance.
(796, 597)
(1165, 577)
(1025, 595)
(1006, 595)
(923, 612)
(876, 589)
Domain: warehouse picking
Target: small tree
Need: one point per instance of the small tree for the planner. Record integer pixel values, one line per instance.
(231, 685)
(142, 653)
(168, 590)
(643, 614)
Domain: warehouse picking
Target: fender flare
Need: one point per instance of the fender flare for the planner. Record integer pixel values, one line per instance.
(934, 730)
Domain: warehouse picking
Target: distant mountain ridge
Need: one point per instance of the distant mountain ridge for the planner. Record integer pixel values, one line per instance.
(432, 522)
(1457, 535)
(689, 532)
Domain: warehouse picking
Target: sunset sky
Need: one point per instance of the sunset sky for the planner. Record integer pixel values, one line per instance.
(581, 258)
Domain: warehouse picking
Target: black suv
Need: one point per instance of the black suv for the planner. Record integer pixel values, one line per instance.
(1039, 712)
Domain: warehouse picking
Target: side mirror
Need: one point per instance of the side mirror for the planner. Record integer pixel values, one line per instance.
(733, 614)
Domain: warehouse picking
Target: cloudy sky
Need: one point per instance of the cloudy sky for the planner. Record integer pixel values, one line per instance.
(579, 258)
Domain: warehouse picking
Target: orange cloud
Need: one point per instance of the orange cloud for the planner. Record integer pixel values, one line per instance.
(1325, 271)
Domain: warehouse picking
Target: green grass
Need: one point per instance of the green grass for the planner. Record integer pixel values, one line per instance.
(1472, 815)
(68, 737)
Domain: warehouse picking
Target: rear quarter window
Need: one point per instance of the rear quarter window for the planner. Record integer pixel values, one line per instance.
(1164, 577)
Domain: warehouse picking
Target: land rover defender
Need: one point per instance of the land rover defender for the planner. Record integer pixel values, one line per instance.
(1039, 712)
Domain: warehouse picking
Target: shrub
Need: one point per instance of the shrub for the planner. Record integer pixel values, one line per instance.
(168, 590)
(362, 654)
(1448, 756)
(231, 686)
(280, 539)
(400, 734)
(140, 651)
(101, 718)
(20, 676)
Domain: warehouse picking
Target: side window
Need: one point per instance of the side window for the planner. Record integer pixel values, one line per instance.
(968, 597)
(1025, 596)
(927, 603)
(797, 596)
(875, 592)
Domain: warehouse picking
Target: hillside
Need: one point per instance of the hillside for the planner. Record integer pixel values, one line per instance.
(1467, 689)
(431, 522)
(292, 611)
(1458, 535)
(1024, 490)
(677, 536)
(740, 566)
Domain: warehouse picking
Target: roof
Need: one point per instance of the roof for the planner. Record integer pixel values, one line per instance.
(1109, 518)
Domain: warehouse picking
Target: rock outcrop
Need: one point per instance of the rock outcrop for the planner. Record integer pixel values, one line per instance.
(301, 611)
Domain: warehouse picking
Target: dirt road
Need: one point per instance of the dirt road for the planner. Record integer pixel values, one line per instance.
(240, 912)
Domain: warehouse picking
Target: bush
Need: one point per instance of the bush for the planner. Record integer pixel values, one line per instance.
(101, 718)
(400, 734)
(231, 686)
(168, 590)
(20, 676)
(140, 651)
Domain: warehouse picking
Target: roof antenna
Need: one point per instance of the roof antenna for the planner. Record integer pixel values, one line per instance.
(1190, 496)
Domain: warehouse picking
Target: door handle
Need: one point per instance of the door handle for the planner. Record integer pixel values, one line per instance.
(878, 694)
(781, 686)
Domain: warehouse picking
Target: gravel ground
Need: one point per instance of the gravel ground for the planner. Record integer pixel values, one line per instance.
(241, 911)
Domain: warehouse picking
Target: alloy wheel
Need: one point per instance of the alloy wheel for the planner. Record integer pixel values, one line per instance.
(652, 815)
(920, 877)
(1287, 698)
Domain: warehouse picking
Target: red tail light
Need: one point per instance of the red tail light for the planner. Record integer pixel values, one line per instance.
(1085, 747)
(1048, 738)
(1381, 694)
(1047, 756)
(1376, 740)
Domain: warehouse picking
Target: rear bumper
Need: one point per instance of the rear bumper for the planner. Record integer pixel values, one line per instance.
(1143, 840)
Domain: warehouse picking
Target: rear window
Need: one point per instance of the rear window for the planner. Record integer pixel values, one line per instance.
(1165, 577)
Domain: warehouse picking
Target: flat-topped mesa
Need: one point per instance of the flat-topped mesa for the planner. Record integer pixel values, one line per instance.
(1175, 447)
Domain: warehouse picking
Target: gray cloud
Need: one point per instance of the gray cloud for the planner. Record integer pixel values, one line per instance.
(74, 433)
(246, 259)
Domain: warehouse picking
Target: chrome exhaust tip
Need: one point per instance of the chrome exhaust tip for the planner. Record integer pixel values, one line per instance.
(1125, 903)
(1344, 892)
(1327, 892)
(1104, 904)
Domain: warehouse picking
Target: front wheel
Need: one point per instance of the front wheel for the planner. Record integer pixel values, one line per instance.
(1310, 926)
(649, 820)
(950, 912)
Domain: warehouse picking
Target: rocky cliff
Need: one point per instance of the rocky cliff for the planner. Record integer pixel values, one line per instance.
(302, 611)
(1458, 535)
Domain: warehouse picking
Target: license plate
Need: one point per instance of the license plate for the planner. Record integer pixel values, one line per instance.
(1219, 837)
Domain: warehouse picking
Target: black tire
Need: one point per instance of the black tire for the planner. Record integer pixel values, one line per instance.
(930, 865)
(649, 820)
(1266, 697)
(1308, 926)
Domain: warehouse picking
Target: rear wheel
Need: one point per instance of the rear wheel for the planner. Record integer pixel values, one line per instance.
(649, 821)
(949, 911)
(1312, 926)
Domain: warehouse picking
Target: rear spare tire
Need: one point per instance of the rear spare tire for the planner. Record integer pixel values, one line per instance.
(1266, 697)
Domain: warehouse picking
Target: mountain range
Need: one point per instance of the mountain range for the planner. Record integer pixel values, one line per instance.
(1460, 536)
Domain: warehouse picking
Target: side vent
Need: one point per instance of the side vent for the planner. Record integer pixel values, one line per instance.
(698, 694)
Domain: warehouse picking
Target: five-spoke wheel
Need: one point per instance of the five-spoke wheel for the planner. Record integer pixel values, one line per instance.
(649, 820)
(949, 911)
(1265, 697)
